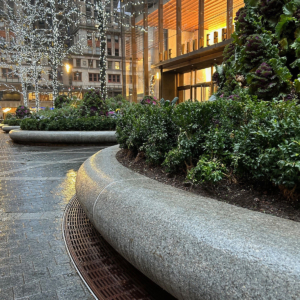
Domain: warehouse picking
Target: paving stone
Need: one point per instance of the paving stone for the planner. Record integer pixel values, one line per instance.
(10, 281)
(34, 275)
(4, 271)
(27, 290)
(56, 282)
(71, 293)
(50, 295)
(34, 263)
(6, 294)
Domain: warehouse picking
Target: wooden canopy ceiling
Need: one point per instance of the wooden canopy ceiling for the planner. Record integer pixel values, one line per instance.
(215, 12)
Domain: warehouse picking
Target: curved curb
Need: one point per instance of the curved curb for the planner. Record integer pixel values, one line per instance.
(193, 247)
(7, 128)
(64, 137)
(1, 125)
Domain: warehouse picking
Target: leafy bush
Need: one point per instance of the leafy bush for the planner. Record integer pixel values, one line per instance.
(116, 103)
(22, 112)
(264, 56)
(235, 136)
(65, 124)
(148, 129)
(61, 101)
(148, 100)
(14, 122)
(93, 104)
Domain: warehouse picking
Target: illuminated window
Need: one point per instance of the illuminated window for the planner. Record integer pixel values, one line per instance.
(117, 65)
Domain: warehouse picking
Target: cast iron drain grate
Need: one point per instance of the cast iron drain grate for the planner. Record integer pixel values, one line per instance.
(105, 271)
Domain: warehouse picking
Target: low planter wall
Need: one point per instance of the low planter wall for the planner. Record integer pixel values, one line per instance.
(193, 247)
(7, 128)
(64, 137)
(1, 125)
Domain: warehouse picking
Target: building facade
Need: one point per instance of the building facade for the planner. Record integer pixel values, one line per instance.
(167, 48)
(81, 71)
(173, 45)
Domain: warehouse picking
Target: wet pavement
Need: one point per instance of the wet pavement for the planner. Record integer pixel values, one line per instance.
(36, 183)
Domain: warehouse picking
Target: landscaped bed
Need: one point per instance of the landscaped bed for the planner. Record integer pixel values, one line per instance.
(252, 195)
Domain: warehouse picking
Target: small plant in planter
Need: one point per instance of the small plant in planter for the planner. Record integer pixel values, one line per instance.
(61, 101)
(149, 100)
(22, 112)
(93, 104)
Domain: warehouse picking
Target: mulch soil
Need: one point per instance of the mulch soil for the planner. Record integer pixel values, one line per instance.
(250, 195)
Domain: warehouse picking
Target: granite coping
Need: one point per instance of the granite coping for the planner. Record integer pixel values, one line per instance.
(192, 246)
(7, 128)
(64, 137)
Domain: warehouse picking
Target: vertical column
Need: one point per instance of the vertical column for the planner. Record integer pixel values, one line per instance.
(178, 27)
(160, 83)
(134, 54)
(123, 52)
(160, 30)
(146, 49)
(211, 82)
(191, 84)
(201, 24)
(195, 81)
(229, 18)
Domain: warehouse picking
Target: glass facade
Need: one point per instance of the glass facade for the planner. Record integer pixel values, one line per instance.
(171, 47)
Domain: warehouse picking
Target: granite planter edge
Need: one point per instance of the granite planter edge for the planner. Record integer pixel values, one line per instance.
(193, 247)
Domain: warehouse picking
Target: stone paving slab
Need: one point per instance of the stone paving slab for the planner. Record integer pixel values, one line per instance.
(36, 183)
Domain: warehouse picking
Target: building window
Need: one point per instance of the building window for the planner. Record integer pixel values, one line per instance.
(117, 65)
(94, 77)
(77, 76)
(78, 62)
(109, 38)
(90, 63)
(97, 63)
(116, 39)
(97, 50)
(109, 64)
(90, 50)
(108, 51)
(116, 52)
(113, 78)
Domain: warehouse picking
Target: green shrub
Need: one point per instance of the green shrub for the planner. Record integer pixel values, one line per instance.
(22, 112)
(93, 104)
(66, 124)
(61, 101)
(14, 122)
(116, 103)
(258, 140)
(148, 128)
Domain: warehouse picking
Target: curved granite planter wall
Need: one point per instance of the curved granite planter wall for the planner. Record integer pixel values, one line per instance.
(7, 128)
(64, 137)
(194, 247)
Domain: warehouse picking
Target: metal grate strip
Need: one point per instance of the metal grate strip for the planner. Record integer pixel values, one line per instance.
(105, 271)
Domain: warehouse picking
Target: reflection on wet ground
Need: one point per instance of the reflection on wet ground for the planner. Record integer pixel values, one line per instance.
(36, 183)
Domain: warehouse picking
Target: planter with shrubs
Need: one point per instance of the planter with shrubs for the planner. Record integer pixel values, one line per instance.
(80, 118)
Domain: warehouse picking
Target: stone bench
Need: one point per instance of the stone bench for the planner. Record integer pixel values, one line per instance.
(7, 128)
(192, 246)
(64, 137)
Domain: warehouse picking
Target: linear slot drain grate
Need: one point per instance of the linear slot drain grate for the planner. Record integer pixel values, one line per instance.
(105, 271)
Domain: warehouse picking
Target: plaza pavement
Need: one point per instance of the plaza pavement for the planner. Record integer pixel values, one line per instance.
(36, 183)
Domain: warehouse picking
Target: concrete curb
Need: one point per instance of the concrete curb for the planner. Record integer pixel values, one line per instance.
(64, 137)
(193, 247)
(1, 125)
(7, 128)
